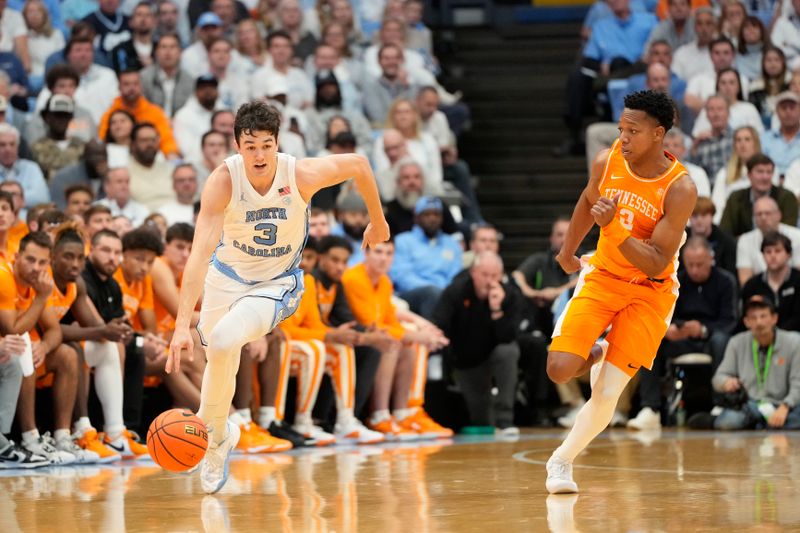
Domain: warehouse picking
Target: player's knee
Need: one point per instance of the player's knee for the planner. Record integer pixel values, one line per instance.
(222, 343)
(558, 370)
(64, 360)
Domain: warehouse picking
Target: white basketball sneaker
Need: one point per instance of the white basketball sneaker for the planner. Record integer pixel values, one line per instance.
(353, 431)
(46, 447)
(646, 419)
(310, 431)
(214, 468)
(559, 476)
(82, 457)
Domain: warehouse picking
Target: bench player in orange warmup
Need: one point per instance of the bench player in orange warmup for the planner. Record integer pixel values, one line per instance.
(641, 197)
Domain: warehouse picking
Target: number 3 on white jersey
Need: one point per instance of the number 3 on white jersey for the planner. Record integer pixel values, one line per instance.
(626, 218)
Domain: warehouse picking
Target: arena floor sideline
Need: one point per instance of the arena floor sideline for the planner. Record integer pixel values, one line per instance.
(664, 481)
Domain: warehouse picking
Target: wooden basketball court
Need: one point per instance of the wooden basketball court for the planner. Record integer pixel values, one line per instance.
(670, 481)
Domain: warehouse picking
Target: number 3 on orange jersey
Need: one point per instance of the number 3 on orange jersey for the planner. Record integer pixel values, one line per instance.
(626, 218)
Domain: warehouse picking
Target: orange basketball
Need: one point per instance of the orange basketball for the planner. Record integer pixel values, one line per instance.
(177, 440)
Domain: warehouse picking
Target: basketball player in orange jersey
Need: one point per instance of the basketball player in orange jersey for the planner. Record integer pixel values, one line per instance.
(641, 197)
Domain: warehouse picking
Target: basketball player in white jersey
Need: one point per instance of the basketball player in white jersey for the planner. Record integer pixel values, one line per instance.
(251, 230)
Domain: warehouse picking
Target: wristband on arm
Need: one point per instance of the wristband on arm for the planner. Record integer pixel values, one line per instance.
(615, 232)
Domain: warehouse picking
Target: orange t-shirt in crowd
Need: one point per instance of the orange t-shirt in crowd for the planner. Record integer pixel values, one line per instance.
(144, 111)
(138, 295)
(662, 9)
(306, 322)
(165, 322)
(372, 304)
(640, 206)
(15, 235)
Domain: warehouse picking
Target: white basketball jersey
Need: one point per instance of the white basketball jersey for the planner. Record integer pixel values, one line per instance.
(262, 236)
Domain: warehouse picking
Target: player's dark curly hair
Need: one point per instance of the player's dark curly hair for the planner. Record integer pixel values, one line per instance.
(68, 232)
(181, 231)
(142, 239)
(333, 241)
(655, 103)
(256, 116)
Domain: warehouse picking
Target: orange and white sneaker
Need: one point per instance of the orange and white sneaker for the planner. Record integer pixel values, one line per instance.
(427, 427)
(315, 433)
(90, 440)
(352, 431)
(255, 439)
(127, 445)
(392, 431)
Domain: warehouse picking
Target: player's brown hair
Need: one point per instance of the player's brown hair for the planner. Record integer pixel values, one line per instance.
(704, 206)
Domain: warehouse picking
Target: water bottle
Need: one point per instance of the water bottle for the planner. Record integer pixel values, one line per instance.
(680, 415)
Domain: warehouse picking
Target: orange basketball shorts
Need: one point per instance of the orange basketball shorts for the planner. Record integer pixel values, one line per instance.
(638, 313)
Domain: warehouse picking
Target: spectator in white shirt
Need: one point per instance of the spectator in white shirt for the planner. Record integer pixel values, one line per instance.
(281, 49)
(194, 59)
(733, 176)
(194, 118)
(393, 31)
(117, 187)
(703, 85)
(14, 34)
(741, 113)
(184, 183)
(421, 146)
(675, 143)
(43, 39)
(694, 58)
(233, 91)
(214, 147)
(150, 176)
(786, 34)
(98, 85)
(749, 259)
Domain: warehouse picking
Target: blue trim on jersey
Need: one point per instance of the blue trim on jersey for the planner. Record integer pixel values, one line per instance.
(229, 271)
(298, 255)
(287, 304)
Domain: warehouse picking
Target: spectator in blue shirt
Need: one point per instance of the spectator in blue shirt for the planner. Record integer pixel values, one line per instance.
(659, 52)
(614, 49)
(26, 172)
(783, 145)
(426, 258)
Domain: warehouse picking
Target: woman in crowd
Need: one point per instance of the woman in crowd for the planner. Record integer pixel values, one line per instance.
(733, 176)
(773, 80)
(43, 39)
(753, 40)
(742, 113)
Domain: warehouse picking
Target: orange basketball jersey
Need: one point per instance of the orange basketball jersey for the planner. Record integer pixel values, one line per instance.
(639, 208)
(62, 302)
(165, 322)
(137, 295)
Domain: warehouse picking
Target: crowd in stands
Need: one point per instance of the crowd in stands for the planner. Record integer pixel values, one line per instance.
(733, 70)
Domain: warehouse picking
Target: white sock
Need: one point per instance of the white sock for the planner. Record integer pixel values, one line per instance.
(82, 425)
(237, 418)
(595, 416)
(266, 415)
(303, 419)
(245, 414)
(379, 416)
(30, 437)
(344, 416)
(104, 358)
(61, 434)
(402, 414)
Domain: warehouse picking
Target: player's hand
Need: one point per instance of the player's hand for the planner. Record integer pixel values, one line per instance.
(257, 349)
(11, 345)
(693, 329)
(117, 330)
(375, 233)
(604, 210)
(731, 385)
(778, 418)
(43, 284)
(181, 341)
(39, 354)
(569, 262)
(344, 334)
(674, 333)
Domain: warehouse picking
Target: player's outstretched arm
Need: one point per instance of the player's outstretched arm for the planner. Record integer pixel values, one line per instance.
(653, 256)
(582, 221)
(216, 195)
(317, 173)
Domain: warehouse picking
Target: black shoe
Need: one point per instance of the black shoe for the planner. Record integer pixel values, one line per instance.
(283, 431)
(701, 421)
(13, 456)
